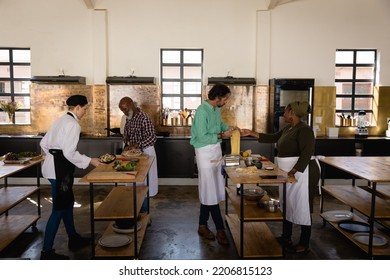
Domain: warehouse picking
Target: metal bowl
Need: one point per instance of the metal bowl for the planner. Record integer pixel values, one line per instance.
(254, 194)
(271, 205)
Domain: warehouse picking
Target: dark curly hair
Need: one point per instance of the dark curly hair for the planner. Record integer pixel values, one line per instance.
(218, 90)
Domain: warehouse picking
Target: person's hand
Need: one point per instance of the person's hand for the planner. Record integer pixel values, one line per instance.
(245, 132)
(95, 162)
(292, 172)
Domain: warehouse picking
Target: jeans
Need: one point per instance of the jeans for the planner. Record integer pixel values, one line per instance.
(53, 223)
(214, 210)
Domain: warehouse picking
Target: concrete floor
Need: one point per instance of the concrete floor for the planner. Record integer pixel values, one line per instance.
(172, 234)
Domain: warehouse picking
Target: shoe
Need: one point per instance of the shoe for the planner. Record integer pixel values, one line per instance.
(205, 232)
(222, 238)
(298, 249)
(284, 241)
(52, 255)
(76, 242)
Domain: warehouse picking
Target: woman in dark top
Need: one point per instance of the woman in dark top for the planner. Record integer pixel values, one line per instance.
(295, 150)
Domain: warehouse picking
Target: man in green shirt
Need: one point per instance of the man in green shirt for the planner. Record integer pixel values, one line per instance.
(207, 132)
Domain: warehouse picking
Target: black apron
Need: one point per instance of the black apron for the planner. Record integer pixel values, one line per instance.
(64, 179)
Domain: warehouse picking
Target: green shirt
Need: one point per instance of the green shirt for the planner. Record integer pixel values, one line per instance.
(206, 125)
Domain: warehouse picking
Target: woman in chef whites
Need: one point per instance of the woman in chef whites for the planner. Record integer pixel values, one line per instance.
(295, 150)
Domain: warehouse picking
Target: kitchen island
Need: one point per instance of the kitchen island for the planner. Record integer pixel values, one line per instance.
(251, 235)
(123, 203)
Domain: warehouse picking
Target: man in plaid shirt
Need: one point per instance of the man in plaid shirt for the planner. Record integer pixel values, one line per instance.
(139, 133)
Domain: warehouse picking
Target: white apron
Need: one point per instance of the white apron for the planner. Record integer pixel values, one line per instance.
(153, 175)
(297, 194)
(211, 181)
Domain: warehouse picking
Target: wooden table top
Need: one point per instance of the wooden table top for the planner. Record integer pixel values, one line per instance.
(106, 173)
(260, 177)
(9, 169)
(374, 169)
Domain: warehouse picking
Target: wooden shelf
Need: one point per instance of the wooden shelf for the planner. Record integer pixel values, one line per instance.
(251, 211)
(13, 225)
(259, 242)
(11, 196)
(127, 250)
(376, 250)
(359, 199)
(119, 203)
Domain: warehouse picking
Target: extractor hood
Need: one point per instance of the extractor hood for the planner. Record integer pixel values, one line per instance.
(61, 79)
(130, 80)
(232, 80)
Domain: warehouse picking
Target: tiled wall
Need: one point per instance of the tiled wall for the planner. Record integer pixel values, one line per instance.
(247, 108)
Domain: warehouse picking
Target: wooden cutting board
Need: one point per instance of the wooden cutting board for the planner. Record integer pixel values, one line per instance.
(112, 175)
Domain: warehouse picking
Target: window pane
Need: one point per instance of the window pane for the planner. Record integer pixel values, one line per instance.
(364, 72)
(4, 55)
(192, 87)
(4, 71)
(192, 72)
(5, 87)
(343, 88)
(171, 72)
(171, 102)
(24, 101)
(363, 103)
(343, 103)
(365, 57)
(22, 117)
(192, 103)
(343, 72)
(21, 56)
(363, 88)
(21, 87)
(171, 57)
(171, 87)
(344, 56)
(22, 72)
(192, 57)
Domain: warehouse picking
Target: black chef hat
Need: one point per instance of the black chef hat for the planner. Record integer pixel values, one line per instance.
(77, 99)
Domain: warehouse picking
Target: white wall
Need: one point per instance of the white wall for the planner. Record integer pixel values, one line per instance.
(303, 35)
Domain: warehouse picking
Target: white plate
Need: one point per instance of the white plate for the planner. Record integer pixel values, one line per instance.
(338, 215)
(129, 230)
(115, 240)
(362, 237)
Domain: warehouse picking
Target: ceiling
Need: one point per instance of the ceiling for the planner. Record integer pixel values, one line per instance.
(270, 3)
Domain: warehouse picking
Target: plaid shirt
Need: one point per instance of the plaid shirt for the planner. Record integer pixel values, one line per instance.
(140, 130)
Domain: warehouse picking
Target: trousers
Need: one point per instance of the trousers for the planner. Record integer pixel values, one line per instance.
(53, 223)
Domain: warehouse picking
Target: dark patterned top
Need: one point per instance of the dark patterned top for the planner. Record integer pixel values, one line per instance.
(140, 130)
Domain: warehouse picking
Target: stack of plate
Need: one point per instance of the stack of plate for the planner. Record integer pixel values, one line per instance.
(115, 240)
(337, 215)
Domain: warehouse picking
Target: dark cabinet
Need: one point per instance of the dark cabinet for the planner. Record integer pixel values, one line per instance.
(175, 158)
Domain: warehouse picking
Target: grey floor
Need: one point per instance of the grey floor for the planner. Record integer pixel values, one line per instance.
(172, 234)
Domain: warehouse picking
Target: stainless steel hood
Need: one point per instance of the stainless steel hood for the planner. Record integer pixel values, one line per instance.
(130, 80)
(61, 79)
(232, 80)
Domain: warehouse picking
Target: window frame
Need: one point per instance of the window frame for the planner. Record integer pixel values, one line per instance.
(12, 81)
(182, 95)
(353, 96)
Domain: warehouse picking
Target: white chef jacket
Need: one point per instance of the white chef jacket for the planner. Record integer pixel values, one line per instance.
(63, 134)
(211, 181)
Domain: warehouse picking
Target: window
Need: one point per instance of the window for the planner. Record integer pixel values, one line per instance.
(15, 74)
(181, 78)
(355, 80)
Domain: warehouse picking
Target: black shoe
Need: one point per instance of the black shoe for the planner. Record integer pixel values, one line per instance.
(298, 249)
(76, 242)
(52, 255)
(284, 241)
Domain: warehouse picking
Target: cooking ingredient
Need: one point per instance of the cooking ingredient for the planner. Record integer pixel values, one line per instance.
(235, 142)
(125, 166)
(106, 158)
